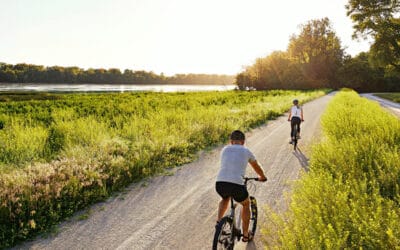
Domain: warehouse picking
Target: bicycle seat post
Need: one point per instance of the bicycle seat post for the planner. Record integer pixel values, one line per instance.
(233, 206)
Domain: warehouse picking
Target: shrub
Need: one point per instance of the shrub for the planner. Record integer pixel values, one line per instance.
(350, 198)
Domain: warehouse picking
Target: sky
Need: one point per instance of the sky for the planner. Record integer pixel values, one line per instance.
(163, 36)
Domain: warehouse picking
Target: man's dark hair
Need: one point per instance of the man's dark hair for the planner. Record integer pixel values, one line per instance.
(237, 135)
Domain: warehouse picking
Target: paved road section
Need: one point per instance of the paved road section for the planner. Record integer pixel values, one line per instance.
(179, 211)
(391, 106)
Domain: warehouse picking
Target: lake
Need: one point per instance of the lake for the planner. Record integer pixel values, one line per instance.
(26, 87)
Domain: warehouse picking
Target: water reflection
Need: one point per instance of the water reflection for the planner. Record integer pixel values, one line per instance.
(10, 87)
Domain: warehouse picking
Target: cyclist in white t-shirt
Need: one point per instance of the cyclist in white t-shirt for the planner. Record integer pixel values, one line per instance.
(234, 159)
(295, 117)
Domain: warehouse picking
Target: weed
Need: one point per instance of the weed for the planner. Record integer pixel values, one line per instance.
(350, 197)
(59, 155)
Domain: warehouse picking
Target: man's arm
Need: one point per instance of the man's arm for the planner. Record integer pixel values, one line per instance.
(290, 116)
(258, 169)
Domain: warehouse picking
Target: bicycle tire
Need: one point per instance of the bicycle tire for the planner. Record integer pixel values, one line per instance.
(227, 242)
(253, 215)
(295, 138)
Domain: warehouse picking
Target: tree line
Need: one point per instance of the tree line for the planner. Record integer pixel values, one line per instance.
(29, 73)
(315, 57)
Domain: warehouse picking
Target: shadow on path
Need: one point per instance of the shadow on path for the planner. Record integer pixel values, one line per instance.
(252, 245)
(302, 159)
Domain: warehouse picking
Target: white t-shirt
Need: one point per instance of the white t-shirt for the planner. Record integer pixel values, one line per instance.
(234, 159)
(296, 111)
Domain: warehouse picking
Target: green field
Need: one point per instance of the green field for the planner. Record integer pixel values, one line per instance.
(350, 199)
(61, 152)
(395, 97)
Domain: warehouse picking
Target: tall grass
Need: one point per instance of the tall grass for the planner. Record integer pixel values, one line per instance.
(350, 198)
(395, 97)
(65, 152)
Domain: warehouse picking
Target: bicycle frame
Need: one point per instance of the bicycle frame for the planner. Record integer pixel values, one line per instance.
(235, 223)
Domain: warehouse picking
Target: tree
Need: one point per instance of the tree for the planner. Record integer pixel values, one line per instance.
(55, 74)
(319, 51)
(7, 73)
(71, 74)
(377, 19)
(357, 73)
(113, 76)
(270, 71)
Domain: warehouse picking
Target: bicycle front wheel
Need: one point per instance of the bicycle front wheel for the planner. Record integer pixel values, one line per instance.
(223, 237)
(295, 138)
(254, 215)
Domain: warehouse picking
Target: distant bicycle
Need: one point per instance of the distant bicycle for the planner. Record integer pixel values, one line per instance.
(295, 138)
(229, 228)
(295, 118)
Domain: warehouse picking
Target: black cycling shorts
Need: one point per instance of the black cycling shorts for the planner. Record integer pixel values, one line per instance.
(228, 189)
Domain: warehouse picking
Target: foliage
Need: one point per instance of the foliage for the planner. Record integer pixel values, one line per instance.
(359, 74)
(318, 50)
(350, 198)
(395, 97)
(379, 20)
(29, 73)
(311, 61)
(315, 58)
(70, 150)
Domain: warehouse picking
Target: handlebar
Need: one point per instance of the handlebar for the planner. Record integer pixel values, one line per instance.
(246, 179)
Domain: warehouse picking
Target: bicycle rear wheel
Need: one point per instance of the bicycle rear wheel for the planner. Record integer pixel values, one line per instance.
(224, 234)
(295, 137)
(253, 218)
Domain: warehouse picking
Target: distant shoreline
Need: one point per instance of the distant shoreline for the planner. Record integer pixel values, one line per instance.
(95, 87)
(140, 84)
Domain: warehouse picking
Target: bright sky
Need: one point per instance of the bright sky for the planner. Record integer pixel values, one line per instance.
(169, 36)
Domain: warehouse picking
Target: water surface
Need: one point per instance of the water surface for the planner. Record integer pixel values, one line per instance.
(24, 87)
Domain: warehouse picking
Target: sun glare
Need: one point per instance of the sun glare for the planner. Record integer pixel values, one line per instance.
(176, 36)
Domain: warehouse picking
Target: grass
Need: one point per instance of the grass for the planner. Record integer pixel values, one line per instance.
(350, 198)
(27, 96)
(62, 152)
(394, 97)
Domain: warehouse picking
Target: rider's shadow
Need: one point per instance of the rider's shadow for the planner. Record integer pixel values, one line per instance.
(248, 246)
(302, 159)
(251, 246)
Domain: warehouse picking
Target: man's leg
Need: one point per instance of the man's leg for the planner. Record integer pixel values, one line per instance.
(223, 205)
(245, 216)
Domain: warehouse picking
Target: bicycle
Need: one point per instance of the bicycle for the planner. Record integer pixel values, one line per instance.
(228, 228)
(295, 137)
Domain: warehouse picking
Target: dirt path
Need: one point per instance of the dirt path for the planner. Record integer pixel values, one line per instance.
(179, 211)
(391, 106)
